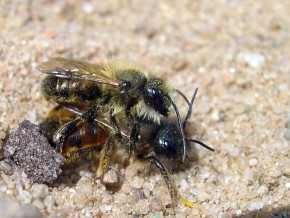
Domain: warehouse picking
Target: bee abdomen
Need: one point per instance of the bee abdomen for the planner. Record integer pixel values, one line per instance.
(85, 138)
(63, 90)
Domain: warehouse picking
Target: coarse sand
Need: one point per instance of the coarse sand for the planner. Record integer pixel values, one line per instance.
(236, 52)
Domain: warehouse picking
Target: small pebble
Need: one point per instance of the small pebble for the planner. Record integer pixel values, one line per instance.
(184, 185)
(262, 190)
(49, 202)
(239, 109)
(254, 60)
(228, 77)
(3, 189)
(11, 208)
(111, 177)
(286, 168)
(233, 151)
(180, 65)
(249, 176)
(62, 213)
(39, 190)
(131, 171)
(253, 162)
(142, 207)
(255, 205)
(38, 204)
(107, 199)
(87, 8)
(215, 115)
(237, 213)
(276, 172)
(202, 196)
(87, 188)
(139, 193)
(10, 192)
(25, 196)
(79, 198)
(104, 208)
(137, 182)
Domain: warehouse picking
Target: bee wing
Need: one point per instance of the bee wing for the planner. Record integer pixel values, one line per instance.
(68, 68)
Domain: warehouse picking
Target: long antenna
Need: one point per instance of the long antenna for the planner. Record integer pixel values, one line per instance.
(190, 108)
(182, 95)
(200, 143)
(180, 127)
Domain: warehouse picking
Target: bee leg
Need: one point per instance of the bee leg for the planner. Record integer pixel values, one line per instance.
(75, 155)
(105, 157)
(58, 138)
(114, 121)
(133, 136)
(165, 176)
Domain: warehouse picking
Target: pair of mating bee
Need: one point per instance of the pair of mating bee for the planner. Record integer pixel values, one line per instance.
(115, 110)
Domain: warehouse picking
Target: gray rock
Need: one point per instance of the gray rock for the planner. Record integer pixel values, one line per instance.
(30, 150)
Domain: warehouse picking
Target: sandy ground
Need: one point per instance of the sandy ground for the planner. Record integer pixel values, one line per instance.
(236, 52)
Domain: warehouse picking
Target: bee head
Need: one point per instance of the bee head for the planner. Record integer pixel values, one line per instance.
(154, 96)
(168, 142)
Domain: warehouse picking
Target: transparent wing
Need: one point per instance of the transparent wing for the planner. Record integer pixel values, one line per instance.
(69, 68)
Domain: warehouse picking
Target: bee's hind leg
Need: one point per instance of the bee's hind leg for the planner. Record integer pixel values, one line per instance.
(76, 155)
(105, 157)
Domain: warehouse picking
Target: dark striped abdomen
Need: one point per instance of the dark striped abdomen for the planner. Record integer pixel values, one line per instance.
(63, 90)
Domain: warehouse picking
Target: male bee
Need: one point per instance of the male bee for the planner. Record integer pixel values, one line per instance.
(120, 86)
(148, 142)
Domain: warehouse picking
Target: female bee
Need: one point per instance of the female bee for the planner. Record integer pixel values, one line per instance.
(145, 143)
(118, 85)
(87, 136)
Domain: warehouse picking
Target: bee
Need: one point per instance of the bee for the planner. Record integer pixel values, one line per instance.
(147, 143)
(117, 85)
(85, 138)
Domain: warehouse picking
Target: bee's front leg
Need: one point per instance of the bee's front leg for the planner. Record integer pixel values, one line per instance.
(58, 137)
(164, 173)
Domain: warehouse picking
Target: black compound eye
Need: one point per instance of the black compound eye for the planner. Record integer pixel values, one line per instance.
(125, 86)
(154, 92)
(156, 95)
(155, 99)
